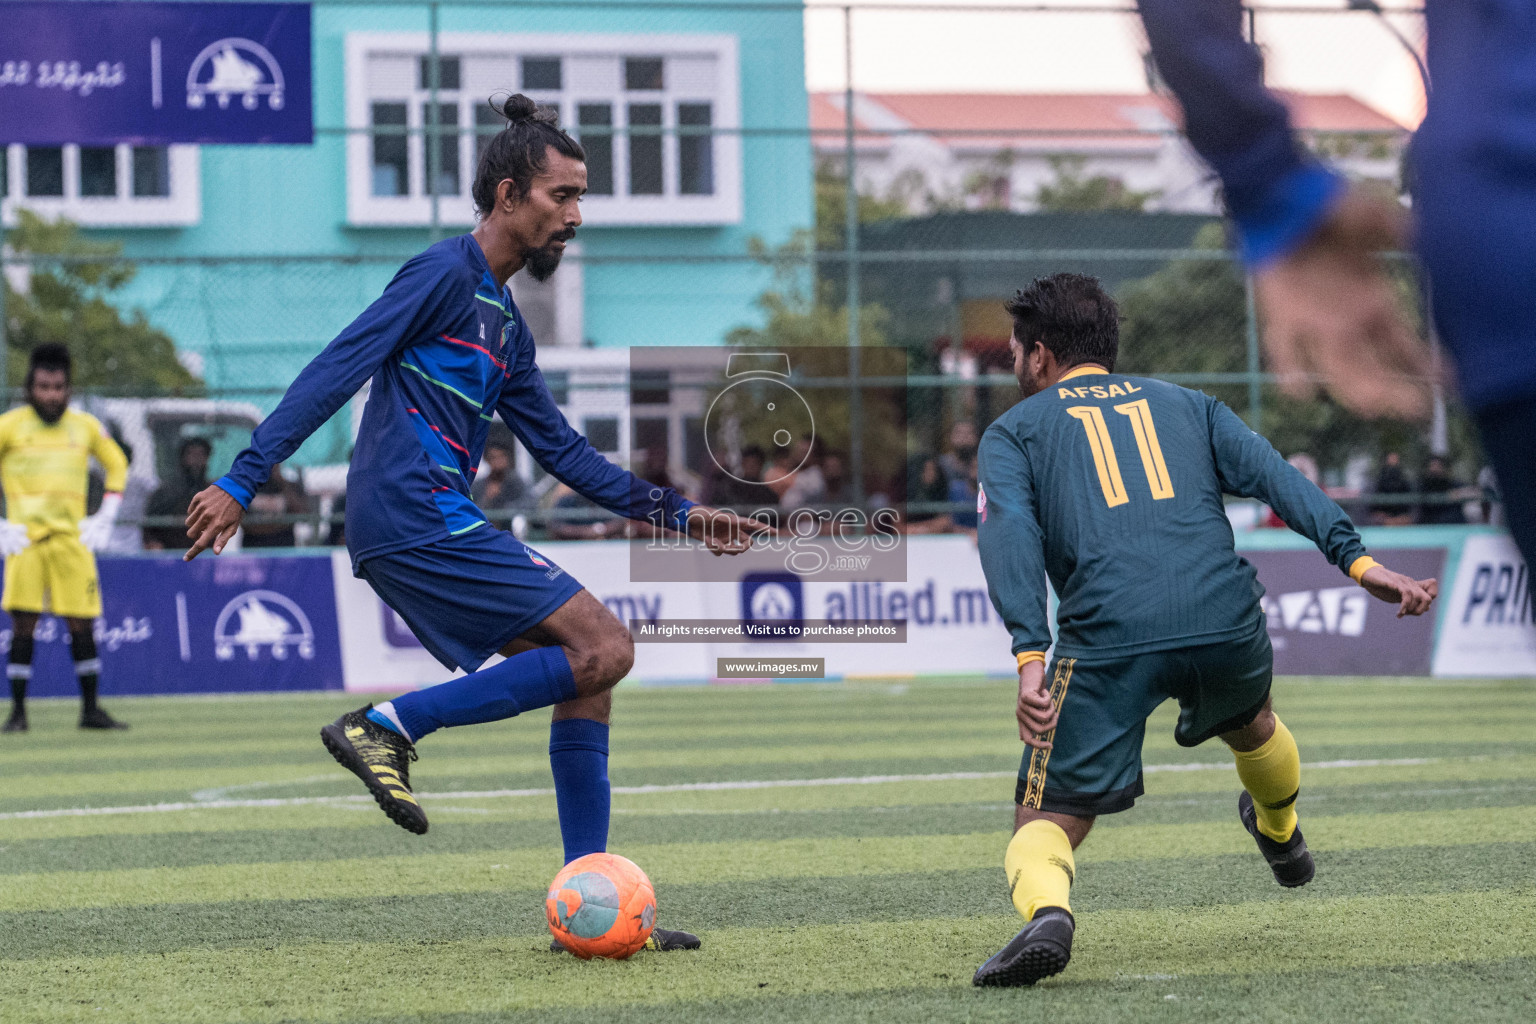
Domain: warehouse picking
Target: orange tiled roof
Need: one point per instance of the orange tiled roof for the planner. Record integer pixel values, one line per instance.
(1086, 119)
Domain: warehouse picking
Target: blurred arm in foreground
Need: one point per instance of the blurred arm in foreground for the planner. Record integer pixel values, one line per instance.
(1330, 311)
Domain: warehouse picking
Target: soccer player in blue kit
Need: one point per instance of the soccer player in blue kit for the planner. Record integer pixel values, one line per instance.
(445, 347)
(1111, 486)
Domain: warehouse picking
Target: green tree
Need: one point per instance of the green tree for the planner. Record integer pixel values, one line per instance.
(68, 300)
(806, 312)
(799, 309)
(1072, 192)
(832, 206)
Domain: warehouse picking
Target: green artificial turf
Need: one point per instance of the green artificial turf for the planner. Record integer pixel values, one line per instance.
(235, 873)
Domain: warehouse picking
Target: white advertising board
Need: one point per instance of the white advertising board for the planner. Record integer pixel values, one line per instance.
(951, 627)
(1487, 628)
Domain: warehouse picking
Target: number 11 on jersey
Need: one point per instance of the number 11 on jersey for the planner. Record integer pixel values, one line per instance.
(1104, 461)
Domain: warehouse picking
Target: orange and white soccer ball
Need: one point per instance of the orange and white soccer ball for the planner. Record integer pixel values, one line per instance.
(601, 905)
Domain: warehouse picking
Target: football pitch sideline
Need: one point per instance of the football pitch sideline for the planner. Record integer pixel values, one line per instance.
(839, 849)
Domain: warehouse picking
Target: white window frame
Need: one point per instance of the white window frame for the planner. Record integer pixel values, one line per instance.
(182, 208)
(724, 206)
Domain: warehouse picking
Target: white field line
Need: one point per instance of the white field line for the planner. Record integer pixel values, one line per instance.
(681, 787)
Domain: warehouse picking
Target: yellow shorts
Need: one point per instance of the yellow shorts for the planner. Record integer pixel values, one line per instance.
(56, 574)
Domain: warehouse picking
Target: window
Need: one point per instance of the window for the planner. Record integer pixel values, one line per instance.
(445, 147)
(595, 124)
(650, 387)
(559, 384)
(98, 171)
(103, 186)
(391, 167)
(695, 452)
(644, 74)
(447, 73)
(649, 435)
(541, 74)
(602, 431)
(488, 125)
(45, 170)
(151, 171)
(645, 149)
(656, 114)
(695, 150)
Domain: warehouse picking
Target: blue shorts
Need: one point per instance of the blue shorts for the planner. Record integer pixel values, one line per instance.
(467, 597)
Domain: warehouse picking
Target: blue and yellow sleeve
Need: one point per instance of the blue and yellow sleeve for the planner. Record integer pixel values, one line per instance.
(1011, 545)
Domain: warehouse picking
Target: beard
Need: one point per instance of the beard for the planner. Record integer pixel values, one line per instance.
(48, 412)
(1029, 384)
(542, 262)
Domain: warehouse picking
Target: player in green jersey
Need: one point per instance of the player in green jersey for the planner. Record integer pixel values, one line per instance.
(1111, 486)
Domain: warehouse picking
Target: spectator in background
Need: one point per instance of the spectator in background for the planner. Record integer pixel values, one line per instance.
(1393, 480)
(725, 490)
(1488, 496)
(1437, 483)
(173, 496)
(279, 496)
(656, 463)
(959, 465)
(804, 483)
(960, 459)
(580, 518)
(834, 474)
(926, 484)
(499, 492)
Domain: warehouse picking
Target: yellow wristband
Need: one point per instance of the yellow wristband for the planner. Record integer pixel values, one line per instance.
(1360, 566)
(1025, 657)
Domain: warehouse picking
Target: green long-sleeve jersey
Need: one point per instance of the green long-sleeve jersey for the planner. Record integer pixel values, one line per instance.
(1112, 487)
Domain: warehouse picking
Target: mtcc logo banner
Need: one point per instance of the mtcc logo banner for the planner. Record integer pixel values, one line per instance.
(263, 620)
(153, 73)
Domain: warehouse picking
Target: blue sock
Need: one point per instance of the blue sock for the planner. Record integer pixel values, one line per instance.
(578, 756)
(525, 682)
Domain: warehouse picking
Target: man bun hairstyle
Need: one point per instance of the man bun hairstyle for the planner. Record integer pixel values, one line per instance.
(521, 150)
(49, 356)
(1071, 315)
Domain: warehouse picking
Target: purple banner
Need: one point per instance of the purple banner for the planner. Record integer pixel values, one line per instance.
(217, 625)
(1322, 624)
(155, 73)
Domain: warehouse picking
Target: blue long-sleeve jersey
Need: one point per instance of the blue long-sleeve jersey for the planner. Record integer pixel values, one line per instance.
(1474, 163)
(445, 347)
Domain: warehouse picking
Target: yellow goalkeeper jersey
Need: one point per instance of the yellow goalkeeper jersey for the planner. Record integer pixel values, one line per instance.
(44, 466)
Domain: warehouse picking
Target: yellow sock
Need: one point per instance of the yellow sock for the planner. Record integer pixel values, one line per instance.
(1272, 776)
(1039, 866)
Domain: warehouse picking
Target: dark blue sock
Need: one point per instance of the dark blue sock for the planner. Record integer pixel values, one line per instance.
(525, 682)
(578, 755)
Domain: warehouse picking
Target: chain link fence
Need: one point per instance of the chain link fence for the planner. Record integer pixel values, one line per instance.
(940, 157)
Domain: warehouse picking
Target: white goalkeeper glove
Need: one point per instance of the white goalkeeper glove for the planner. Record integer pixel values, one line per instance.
(13, 538)
(96, 530)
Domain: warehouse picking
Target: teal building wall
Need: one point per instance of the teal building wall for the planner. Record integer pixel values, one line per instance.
(253, 317)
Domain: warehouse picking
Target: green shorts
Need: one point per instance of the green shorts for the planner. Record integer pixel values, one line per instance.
(1094, 766)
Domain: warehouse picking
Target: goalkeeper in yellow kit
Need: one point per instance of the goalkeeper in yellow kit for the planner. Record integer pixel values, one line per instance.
(47, 540)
